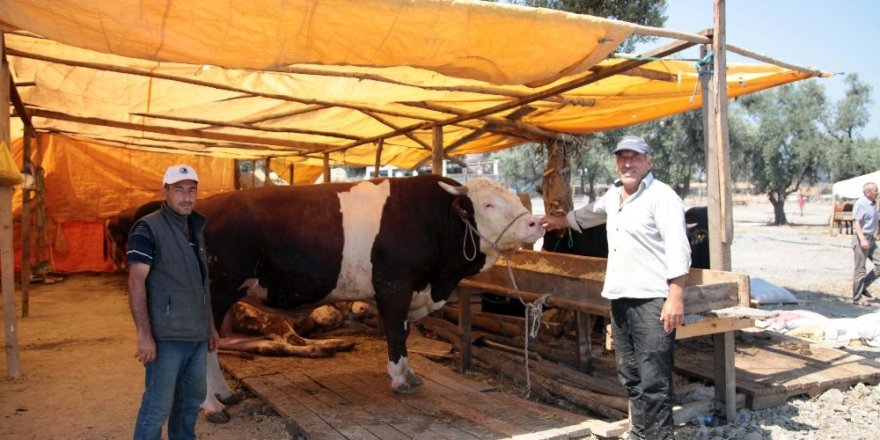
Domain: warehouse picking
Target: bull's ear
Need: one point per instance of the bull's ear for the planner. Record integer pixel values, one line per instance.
(454, 190)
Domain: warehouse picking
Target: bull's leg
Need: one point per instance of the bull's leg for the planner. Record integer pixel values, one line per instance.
(393, 310)
(218, 390)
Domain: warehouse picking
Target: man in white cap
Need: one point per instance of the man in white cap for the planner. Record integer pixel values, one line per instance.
(171, 306)
(648, 262)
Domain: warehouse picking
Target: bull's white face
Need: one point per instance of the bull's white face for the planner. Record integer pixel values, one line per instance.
(498, 213)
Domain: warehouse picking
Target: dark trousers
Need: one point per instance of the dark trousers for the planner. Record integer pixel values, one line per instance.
(644, 365)
(861, 278)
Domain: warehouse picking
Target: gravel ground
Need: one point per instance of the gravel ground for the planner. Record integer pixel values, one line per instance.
(816, 266)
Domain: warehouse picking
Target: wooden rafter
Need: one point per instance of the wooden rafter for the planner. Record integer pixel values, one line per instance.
(210, 124)
(503, 122)
(306, 146)
(297, 112)
(408, 134)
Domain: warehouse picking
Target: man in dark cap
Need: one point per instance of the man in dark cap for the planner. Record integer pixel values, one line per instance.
(648, 261)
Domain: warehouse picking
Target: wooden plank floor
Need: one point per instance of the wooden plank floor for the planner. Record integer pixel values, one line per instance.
(348, 396)
(772, 371)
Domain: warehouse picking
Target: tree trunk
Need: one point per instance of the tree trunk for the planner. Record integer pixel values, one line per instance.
(555, 182)
(778, 202)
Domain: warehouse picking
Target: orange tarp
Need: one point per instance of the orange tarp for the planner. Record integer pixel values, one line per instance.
(88, 183)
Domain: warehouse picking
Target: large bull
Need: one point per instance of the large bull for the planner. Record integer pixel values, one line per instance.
(404, 243)
(118, 227)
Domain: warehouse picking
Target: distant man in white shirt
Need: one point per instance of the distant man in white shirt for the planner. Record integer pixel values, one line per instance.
(863, 244)
(649, 257)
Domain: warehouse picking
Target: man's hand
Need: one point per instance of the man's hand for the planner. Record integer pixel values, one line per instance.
(214, 342)
(552, 222)
(672, 314)
(146, 349)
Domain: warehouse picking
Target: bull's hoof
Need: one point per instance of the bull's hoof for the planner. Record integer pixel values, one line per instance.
(231, 399)
(413, 380)
(403, 388)
(217, 417)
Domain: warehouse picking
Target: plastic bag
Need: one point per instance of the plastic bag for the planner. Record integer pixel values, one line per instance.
(9, 173)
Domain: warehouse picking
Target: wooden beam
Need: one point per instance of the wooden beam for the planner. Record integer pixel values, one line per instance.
(469, 137)
(437, 161)
(388, 124)
(582, 80)
(516, 125)
(26, 223)
(379, 146)
(652, 74)
(212, 123)
(306, 146)
(17, 103)
(189, 80)
(770, 60)
(483, 90)
(7, 265)
(649, 31)
(272, 117)
(327, 168)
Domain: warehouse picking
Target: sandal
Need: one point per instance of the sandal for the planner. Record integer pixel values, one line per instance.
(863, 302)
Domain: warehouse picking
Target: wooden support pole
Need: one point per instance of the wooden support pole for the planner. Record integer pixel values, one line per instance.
(464, 327)
(378, 165)
(722, 138)
(718, 186)
(725, 372)
(26, 225)
(7, 266)
(437, 162)
(584, 335)
(290, 173)
(326, 167)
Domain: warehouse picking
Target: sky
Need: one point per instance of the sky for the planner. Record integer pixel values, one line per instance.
(839, 36)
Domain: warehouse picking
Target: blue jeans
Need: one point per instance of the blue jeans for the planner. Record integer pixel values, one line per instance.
(644, 352)
(174, 387)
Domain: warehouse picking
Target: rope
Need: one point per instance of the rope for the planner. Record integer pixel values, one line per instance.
(705, 61)
(534, 311)
(471, 231)
(570, 240)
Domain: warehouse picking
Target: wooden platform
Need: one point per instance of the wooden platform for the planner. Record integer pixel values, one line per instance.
(770, 372)
(349, 397)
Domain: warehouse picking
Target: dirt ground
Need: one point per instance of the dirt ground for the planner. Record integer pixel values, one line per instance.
(81, 381)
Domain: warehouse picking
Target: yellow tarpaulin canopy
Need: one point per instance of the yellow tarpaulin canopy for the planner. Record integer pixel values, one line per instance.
(305, 78)
(128, 86)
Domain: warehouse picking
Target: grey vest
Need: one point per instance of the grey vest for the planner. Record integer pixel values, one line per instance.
(178, 297)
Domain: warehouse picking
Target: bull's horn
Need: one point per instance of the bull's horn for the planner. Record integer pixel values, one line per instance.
(454, 190)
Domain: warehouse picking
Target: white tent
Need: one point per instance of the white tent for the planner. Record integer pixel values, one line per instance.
(852, 188)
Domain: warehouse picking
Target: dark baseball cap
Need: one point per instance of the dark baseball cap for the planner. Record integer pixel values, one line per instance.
(633, 143)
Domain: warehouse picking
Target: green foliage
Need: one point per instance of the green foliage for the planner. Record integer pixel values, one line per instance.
(849, 155)
(678, 151)
(521, 167)
(788, 150)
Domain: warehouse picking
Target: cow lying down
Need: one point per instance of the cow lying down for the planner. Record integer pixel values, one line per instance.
(403, 244)
(271, 332)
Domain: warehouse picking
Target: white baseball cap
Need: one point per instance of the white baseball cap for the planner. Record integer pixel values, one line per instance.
(176, 173)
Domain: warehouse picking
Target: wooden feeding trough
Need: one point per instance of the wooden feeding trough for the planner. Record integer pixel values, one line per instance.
(575, 282)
